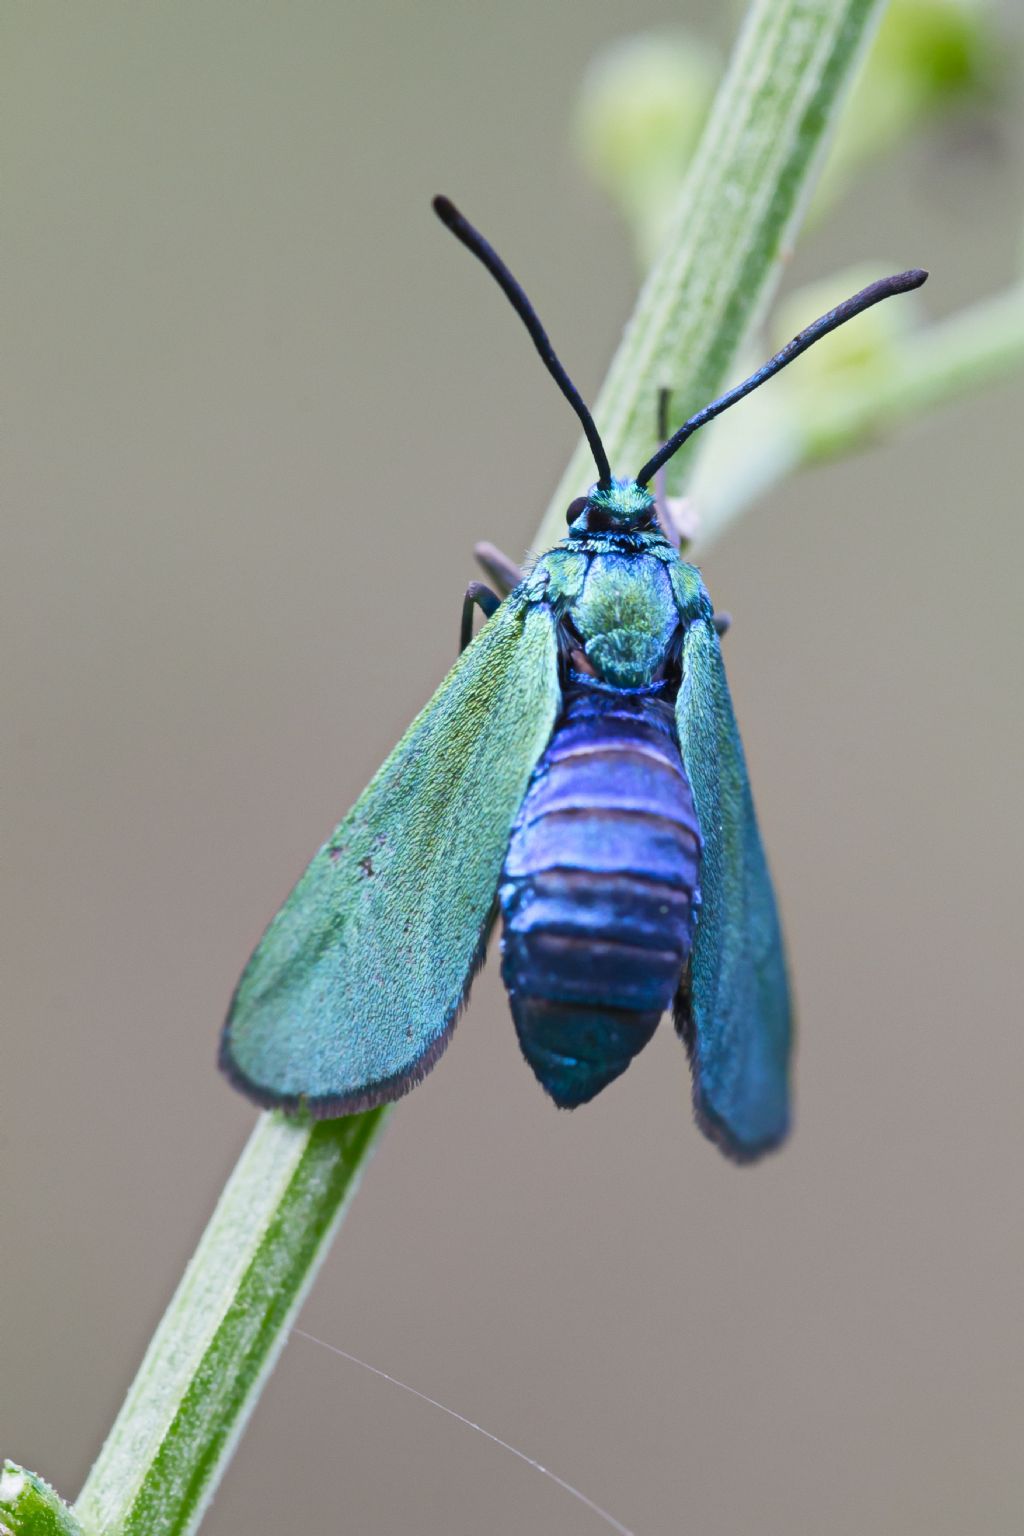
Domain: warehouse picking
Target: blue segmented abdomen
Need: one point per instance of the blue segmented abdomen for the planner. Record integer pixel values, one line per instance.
(599, 889)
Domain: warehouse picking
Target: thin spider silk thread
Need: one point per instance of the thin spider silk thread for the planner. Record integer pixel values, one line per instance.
(602, 1514)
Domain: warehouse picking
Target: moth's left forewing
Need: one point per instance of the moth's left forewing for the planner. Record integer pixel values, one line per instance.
(351, 995)
(736, 1018)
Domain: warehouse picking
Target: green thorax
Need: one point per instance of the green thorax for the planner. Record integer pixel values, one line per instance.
(626, 616)
(620, 585)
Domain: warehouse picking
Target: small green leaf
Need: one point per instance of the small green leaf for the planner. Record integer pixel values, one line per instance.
(29, 1506)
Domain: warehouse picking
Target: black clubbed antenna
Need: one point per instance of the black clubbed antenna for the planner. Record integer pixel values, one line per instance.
(474, 241)
(885, 288)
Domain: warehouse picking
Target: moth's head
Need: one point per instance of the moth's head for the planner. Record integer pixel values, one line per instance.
(622, 506)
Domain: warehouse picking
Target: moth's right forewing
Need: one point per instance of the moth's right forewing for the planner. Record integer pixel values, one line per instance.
(352, 993)
(736, 1018)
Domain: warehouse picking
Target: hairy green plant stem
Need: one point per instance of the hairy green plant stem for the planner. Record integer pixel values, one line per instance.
(225, 1325)
(736, 217)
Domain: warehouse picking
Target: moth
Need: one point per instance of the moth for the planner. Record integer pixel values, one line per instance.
(580, 771)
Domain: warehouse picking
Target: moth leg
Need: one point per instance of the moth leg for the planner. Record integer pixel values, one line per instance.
(665, 521)
(477, 595)
(664, 401)
(677, 515)
(722, 623)
(503, 572)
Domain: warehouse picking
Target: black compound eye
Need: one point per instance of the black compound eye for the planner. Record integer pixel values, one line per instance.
(574, 509)
(598, 519)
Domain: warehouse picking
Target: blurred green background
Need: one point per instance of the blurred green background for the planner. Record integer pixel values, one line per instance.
(259, 409)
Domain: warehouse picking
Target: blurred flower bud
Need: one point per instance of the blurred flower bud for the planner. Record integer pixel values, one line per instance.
(929, 55)
(641, 111)
(946, 47)
(870, 344)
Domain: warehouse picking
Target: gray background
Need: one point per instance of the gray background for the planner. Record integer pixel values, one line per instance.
(261, 407)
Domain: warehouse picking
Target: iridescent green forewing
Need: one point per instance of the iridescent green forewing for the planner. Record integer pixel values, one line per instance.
(353, 991)
(736, 1020)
